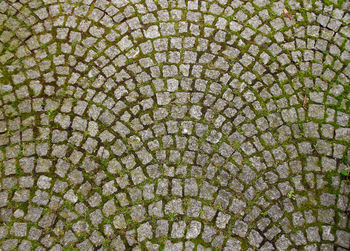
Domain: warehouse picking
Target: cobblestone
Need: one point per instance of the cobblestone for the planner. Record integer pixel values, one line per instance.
(218, 124)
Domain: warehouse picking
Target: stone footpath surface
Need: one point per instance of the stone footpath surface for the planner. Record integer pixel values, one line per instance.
(174, 125)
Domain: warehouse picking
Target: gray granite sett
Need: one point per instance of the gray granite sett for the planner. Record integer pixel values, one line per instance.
(343, 239)
(162, 228)
(240, 228)
(312, 234)
(178, 229)
(144, 232)
(194, 229)
(208, 233)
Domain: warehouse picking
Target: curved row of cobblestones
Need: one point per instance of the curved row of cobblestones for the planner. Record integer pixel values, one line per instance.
(170, 125)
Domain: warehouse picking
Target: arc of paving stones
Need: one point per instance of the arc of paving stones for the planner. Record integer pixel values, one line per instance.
(151, 125)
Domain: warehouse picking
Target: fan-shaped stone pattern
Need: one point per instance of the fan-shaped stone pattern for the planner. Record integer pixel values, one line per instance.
(151, 125)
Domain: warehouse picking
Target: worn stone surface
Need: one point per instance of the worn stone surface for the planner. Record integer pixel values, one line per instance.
(174, 125)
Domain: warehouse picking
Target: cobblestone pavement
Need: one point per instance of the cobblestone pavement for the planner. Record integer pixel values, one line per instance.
(174, 125)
